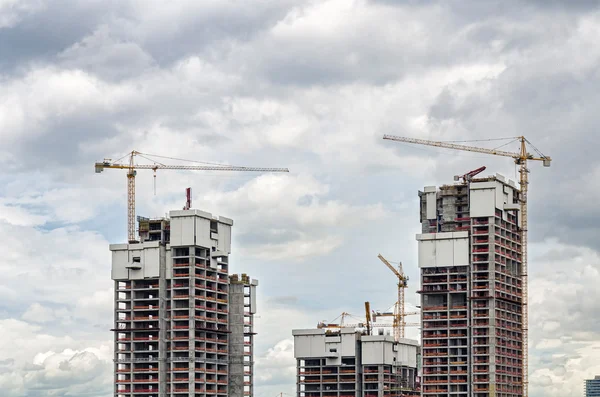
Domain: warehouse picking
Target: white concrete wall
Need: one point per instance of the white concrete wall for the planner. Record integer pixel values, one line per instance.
(482, 200)
(348, 347)
(383, 350)
(431, 202)
(486, 197)
(443, 249)
(120, 257)
(309, 346)
(377, 352)
(253, 298)
(407, 352)
(315, 343)
(203, 232)
(151, 262)
(192, 227)
(224, 242)
(122, 260)
(168, 262)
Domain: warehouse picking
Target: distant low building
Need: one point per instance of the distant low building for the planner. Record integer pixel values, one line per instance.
(592, 387)
(348, 363)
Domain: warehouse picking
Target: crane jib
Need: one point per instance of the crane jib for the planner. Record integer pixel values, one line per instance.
(132, 167)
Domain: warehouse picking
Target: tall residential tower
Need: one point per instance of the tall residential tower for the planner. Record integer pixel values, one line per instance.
(471, 297)
(183, 325)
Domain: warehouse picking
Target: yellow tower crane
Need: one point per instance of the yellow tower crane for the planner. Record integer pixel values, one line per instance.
(521, 157)
(399, 314)
(131, 168)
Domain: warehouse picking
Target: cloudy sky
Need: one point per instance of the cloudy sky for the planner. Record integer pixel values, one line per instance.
(307, 84)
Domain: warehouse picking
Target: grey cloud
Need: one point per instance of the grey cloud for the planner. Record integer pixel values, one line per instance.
(111, 51)
(6, 365)
(111, 58)
(53, 33)
(40, 36)
(571, 4)
(403, 42)
(473, 5)
(273, 236)
(210, 26)
(555, 111)
(60, 145)
(557, 254)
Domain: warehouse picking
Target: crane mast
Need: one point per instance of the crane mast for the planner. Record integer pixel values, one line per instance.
(132, 168)
(520, 159)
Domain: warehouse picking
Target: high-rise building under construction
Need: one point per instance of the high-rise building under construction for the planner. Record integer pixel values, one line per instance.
(471, 296)
(183, 324)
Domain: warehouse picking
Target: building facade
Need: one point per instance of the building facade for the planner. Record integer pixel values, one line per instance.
(471, 297)
(182, 323)
(348, 363)
(592, 387)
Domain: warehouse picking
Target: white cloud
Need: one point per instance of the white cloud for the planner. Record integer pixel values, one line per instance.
(37, 313)
(295, 250)
(57, 365)
(19, 216)
(105, 55)
(48, 94)
(37, 263)
(278, 365)
(301, 203)
(564, 317)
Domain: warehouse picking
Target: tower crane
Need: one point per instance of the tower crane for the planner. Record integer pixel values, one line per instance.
(520, 158)
(399, 313)
(370, 316)
(132, 168)
(332, 324)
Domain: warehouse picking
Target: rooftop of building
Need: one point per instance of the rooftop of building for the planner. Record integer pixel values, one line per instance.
(190, 212)
(491, 178)
(349, 331)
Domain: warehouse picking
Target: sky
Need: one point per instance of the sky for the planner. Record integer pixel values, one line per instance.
(312, 85)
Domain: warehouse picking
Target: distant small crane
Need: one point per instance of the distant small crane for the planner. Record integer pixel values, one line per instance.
(131, 168)
(368, 323)
(399, 312)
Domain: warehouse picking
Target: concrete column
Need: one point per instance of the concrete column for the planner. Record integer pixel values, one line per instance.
(236, 339)
(163, 364)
